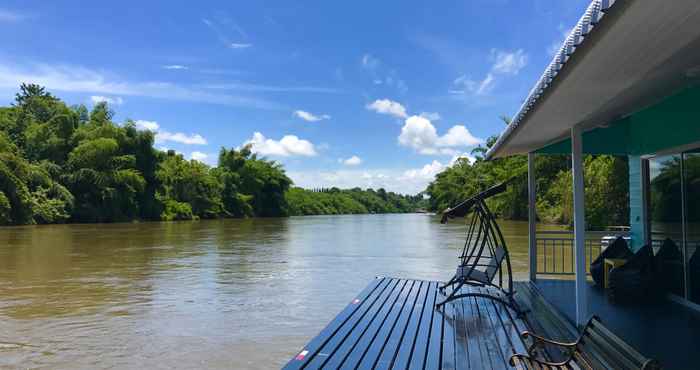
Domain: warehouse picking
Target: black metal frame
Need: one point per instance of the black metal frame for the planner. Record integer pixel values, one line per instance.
(483, 234)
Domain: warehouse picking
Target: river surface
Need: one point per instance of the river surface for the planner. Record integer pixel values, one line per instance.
(229, 294)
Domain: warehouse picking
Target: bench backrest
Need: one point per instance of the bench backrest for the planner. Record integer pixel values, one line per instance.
(599, 348)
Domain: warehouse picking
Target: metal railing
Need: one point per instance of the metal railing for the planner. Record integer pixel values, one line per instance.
(555, 250)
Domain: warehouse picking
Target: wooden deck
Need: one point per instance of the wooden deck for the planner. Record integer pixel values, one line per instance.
(392, 324)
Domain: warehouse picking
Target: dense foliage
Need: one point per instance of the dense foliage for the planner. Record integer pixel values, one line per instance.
(606, 183)
(69, 164)
(353, 201)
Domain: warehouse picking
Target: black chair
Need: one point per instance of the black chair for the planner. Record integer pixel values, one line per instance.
(618, 249)
(484, 255)
(635, 280)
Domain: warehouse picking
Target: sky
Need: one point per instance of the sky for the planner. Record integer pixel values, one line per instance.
(358, 93)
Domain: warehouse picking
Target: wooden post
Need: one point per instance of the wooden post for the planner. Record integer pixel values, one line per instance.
(579, 226)
(531, 217)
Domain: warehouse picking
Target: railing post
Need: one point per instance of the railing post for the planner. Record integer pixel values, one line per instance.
(532, 217)
(579, 225)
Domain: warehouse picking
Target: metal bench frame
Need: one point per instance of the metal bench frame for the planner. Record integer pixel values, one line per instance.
(483, 255)
(595, 348)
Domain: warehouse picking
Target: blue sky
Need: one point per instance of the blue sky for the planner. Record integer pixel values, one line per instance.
(360, 93)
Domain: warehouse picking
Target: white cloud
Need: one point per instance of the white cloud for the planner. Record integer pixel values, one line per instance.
(179, 137)
(386, 106)
(370, 62)
(162, 136)
(85, 80)
(199, 156)
(420, 134)
(147, 125)
(289, 145)
(427, 172)
(508, 62)
(432, 116)
(10, 16)
(408, 181)
(113, 101)
(237, 45)
(352, 161)
(175, 66)
(310, 117)
(504, 63)
(464, 84)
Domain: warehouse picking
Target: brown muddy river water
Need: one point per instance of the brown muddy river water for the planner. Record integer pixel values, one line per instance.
(227, 294)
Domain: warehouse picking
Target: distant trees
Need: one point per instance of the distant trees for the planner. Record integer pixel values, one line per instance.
(71, 164)
(606, 183)
(334, 201)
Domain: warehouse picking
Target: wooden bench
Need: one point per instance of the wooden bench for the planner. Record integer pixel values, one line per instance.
(596, 348)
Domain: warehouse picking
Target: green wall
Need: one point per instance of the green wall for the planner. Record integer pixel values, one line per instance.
(637, 223)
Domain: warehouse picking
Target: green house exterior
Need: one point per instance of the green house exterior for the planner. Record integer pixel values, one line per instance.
(626, 82)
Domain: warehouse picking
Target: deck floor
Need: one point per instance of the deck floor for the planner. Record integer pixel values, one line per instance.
(392, 324)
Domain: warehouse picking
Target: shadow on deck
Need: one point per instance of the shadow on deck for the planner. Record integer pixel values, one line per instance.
(393, 324)
(665, 330)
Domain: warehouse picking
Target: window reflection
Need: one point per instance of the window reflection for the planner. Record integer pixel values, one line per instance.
(665, 211)
(691, 166)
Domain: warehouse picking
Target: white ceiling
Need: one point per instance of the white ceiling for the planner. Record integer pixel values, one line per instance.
(642, 51)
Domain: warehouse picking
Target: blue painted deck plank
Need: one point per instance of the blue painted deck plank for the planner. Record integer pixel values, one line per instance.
(448, 337)
(364, 343)
(420, 346)
(393, 342)
(504, 347)
(461, 337)
(354, 337)
(494, 355)
(434, 352)
(393, 324)
(343, 341)
(477, 349)
(408, 340)
(328, 332)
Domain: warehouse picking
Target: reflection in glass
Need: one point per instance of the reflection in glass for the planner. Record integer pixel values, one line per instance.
(691, 167)
(665, 209)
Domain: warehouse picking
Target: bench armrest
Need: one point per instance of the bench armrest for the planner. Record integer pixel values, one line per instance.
(536, 338)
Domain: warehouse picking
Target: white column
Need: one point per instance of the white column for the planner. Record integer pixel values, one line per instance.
(531, 216)
(579, 226)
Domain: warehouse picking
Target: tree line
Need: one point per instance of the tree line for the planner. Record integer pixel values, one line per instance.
(606, 183)
(61, 163)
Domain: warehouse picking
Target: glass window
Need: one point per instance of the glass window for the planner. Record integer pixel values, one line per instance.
(666, 214)
(691, 167)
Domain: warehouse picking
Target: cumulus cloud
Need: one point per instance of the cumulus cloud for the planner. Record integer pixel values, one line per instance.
(147, 125)
(289, 145)
(112, 101)
(179, 137)
(199, 156)
(310, 117)
(163, 136)
(386, 106)
(508, 62)
(420, 134)
(432, 116)
(426, 172)
(175, 66)
(352, 161)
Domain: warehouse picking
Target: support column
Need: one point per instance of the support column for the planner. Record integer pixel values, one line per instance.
(531, 216)
(579, 226)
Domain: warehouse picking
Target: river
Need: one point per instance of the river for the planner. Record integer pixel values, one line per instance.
(229, 294)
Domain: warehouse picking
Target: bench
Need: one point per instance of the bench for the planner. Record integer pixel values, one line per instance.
(596, 348)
